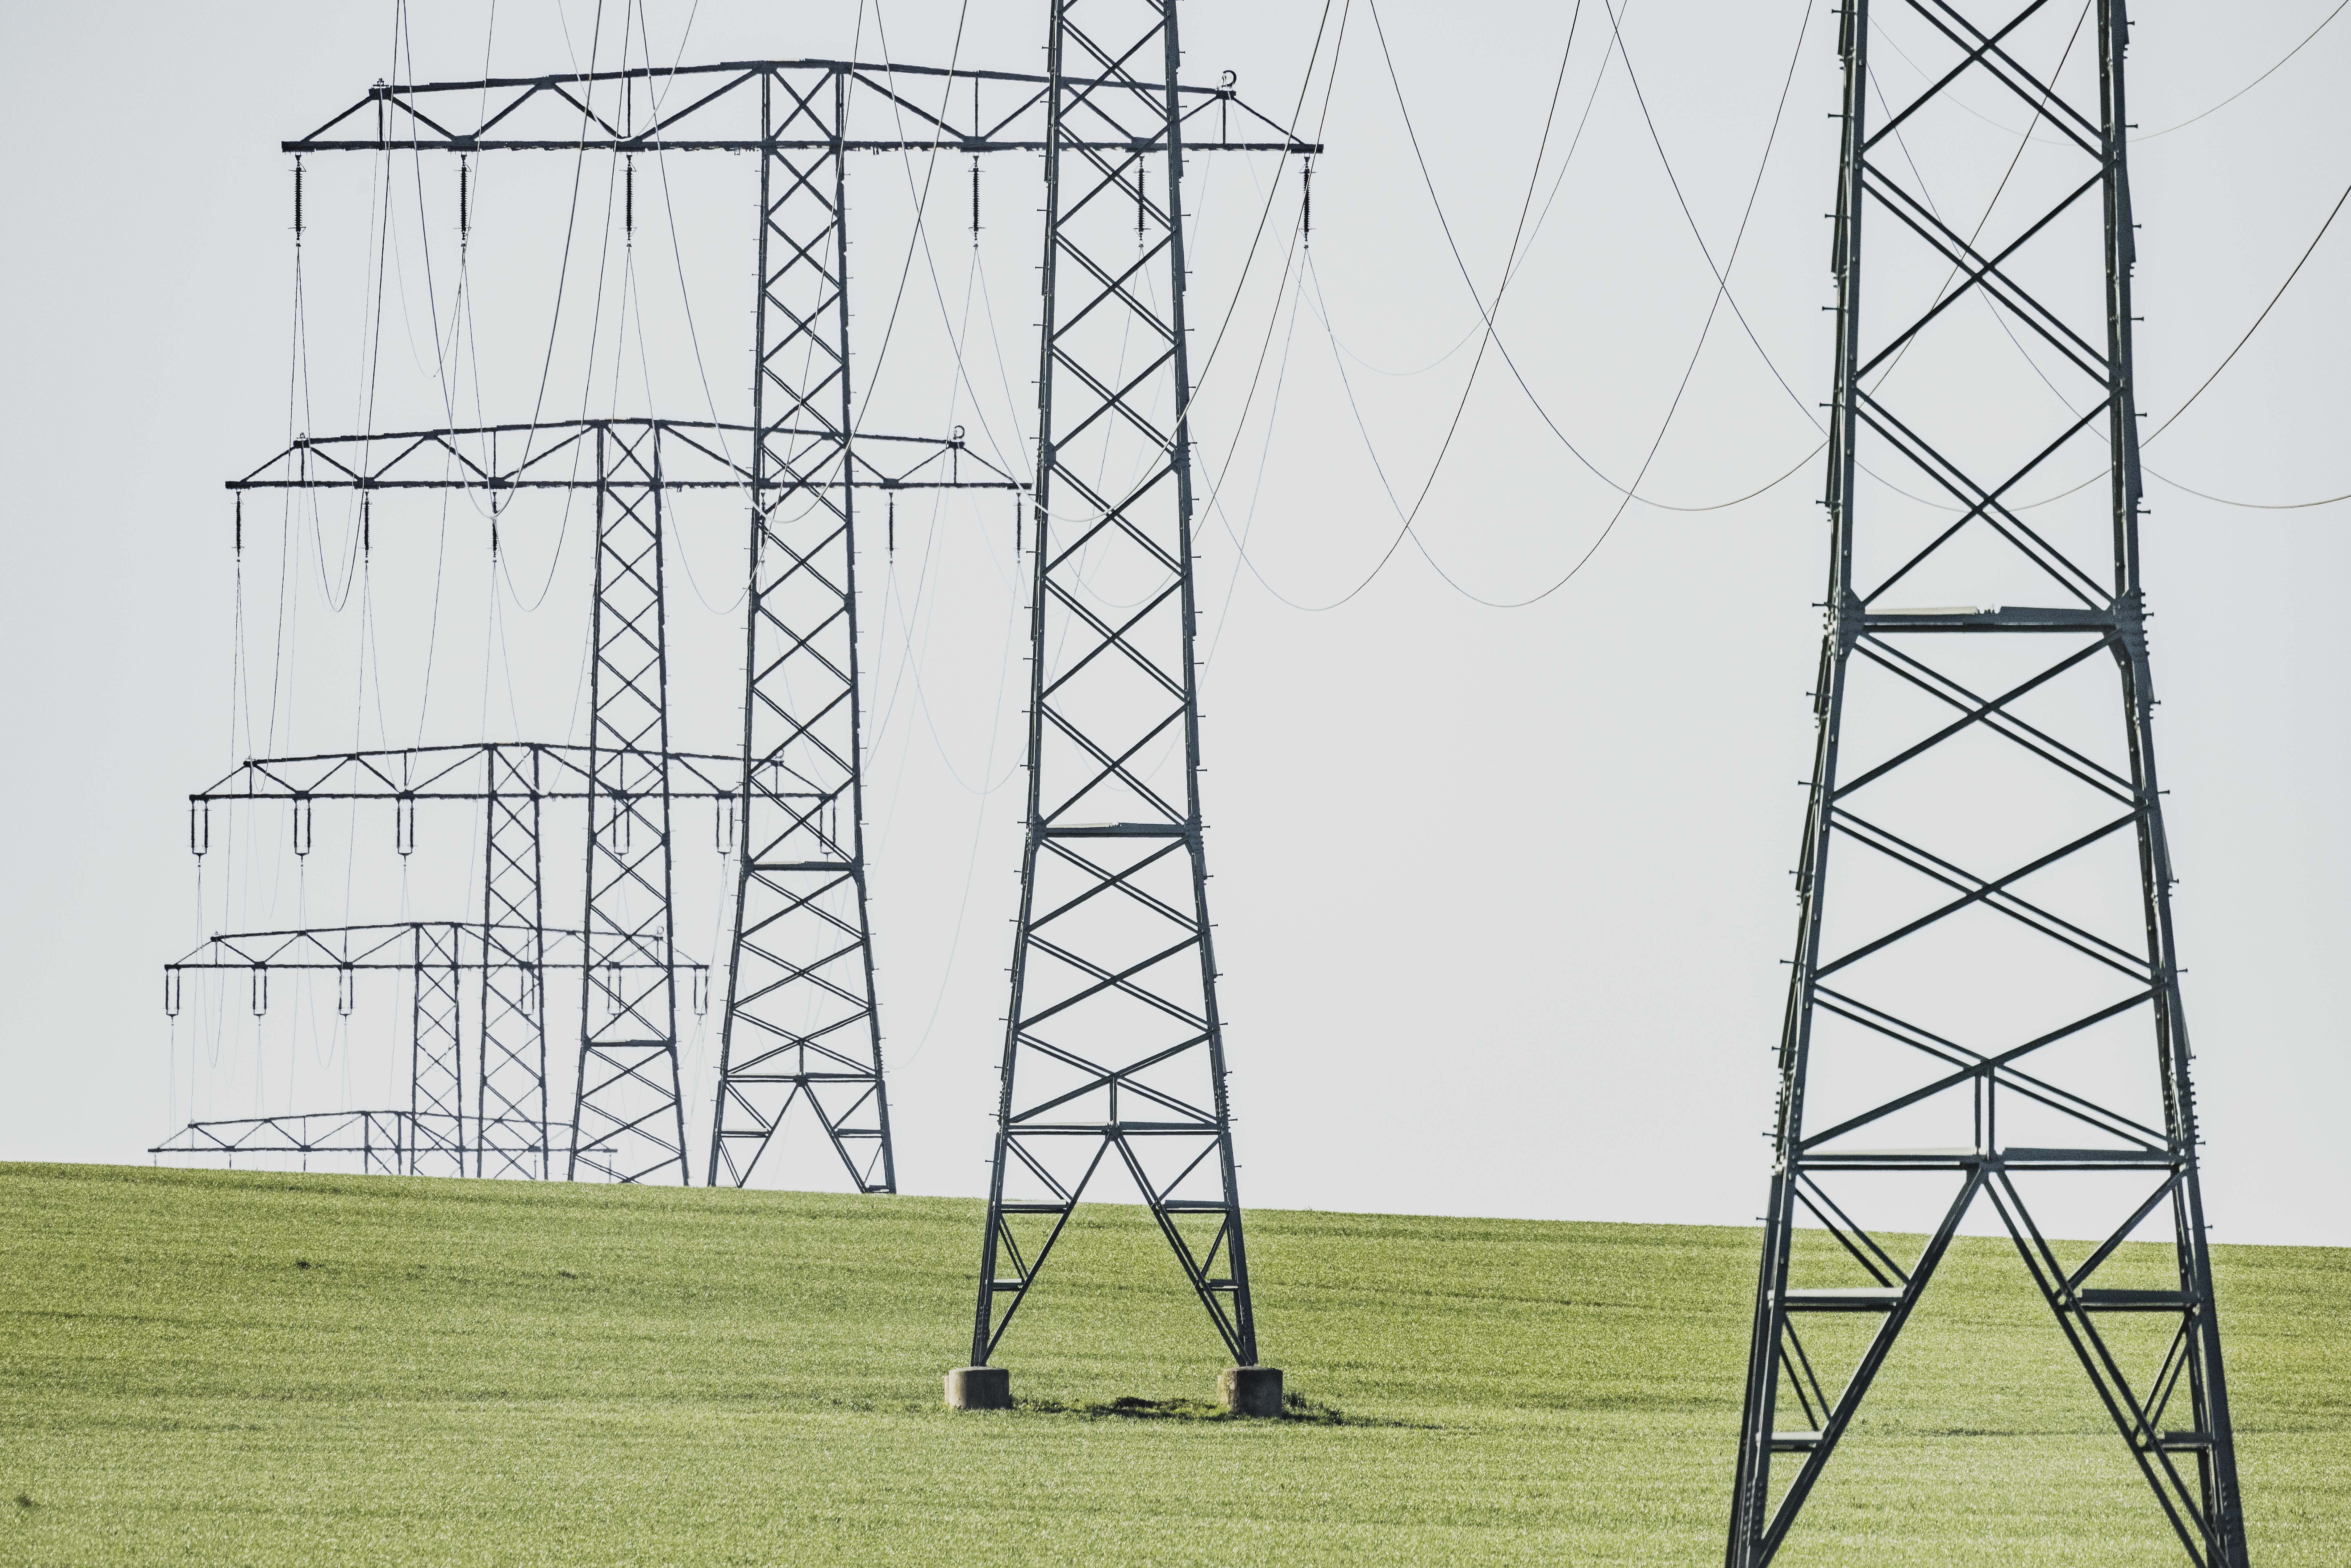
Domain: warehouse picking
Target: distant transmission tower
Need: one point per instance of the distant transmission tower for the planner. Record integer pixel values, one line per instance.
(628, 1109)
(492, 1122)
(1990, 1008)
(444, 1131)
(1114, 1048)
(801, 1027)
(800, 1024)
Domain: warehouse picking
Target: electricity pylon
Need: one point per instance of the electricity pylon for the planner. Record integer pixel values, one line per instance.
(1990, 1008)
(442, 1130)
(1112, 1047)
(506, 1109)
(628, 1111)
(802, 1026)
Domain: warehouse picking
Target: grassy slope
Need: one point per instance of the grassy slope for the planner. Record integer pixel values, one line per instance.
(496, 1373)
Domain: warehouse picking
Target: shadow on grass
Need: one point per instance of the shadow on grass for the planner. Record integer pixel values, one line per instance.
(1296, 1409)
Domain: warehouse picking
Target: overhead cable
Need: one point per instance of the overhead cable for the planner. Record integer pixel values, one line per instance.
(2152, 135)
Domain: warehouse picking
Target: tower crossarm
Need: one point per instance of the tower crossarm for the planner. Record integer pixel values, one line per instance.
(392, 946)
(716, 108)
(385, 1141)
(453, 773)
(696, 454)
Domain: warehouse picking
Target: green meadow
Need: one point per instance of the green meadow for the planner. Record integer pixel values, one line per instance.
(265, 1369)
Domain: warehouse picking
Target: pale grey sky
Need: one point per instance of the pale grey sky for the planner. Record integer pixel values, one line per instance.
(1502, 894)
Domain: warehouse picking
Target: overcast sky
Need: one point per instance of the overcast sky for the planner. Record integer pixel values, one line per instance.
(1502, 892)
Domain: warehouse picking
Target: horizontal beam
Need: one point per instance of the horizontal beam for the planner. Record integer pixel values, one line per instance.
(2005, 618)
(975, 144)
(384, 1132)
(551, 455)
(392, 946)
(464, 773)
(2014, 1159)
(689, 109)
(313, 1133)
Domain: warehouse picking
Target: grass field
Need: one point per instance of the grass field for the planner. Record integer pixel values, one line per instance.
(498, 1374)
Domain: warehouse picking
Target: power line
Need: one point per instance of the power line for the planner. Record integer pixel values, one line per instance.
(2257, 81)
(1723, 292)
(2332, 213)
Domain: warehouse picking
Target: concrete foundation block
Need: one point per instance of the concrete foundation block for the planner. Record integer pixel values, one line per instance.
(988, 1388)
(1251, 1390)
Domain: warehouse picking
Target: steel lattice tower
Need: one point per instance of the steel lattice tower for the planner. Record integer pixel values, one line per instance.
(510, 1103)
(436, 1071)
(629, 1098)
(800, 1023)
(1993, 992)
(430, 1137)
(511, 781)
(1113, 1044)
(629, 464)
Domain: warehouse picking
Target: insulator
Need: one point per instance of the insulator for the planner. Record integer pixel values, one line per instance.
(611, 989)
(1306, 202)
(1225, 104)
(974, 198)
(346, 989)
(701, 990)
(404, 824)
(893, 528)
(629, 197)
(1142, 201)
(260, 989)
(722, 827)
(464, 200)
(200, 827)
(367, 523)
(1016, 522)
(240, 522)
(529, 999)
(298, 199)
(171, 990)
(302, 824)
(619, 834)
